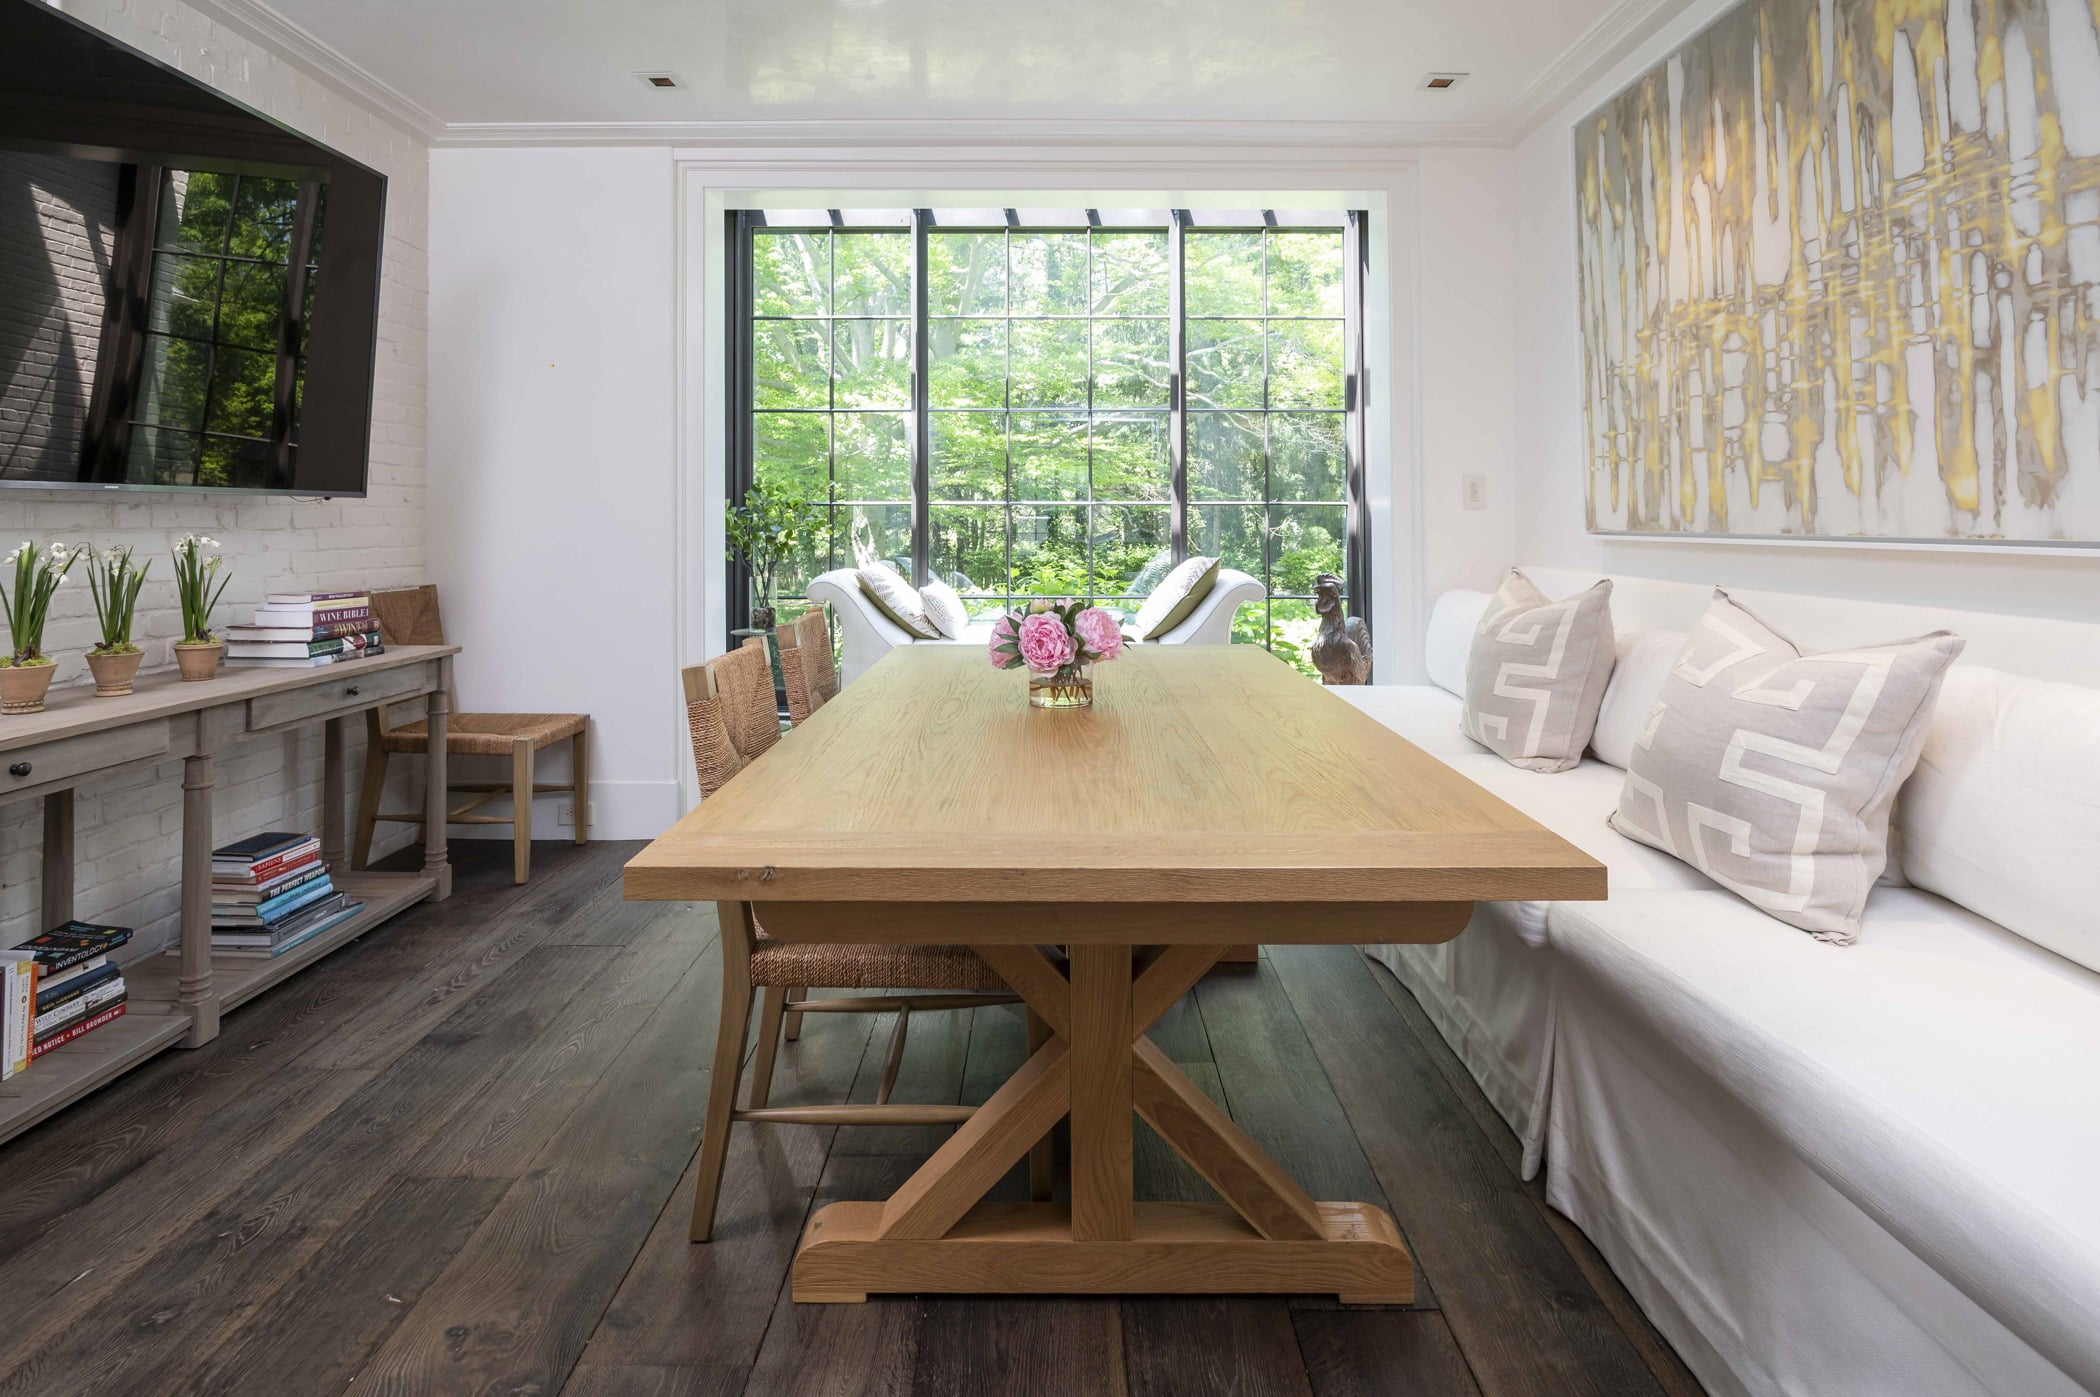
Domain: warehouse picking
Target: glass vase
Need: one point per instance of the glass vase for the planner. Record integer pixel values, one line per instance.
(1070, 687)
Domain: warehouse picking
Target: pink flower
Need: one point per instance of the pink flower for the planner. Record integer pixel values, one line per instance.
(1100, 634)
(1002, 634)
(1046, 646)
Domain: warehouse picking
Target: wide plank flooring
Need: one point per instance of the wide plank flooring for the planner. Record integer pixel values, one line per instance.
(456, 1157)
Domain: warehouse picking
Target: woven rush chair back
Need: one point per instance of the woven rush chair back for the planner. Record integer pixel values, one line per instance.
(729, 713)
(409, 616)
(806, 666)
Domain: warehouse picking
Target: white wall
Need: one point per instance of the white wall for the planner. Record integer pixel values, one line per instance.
(552, 317)
(1468, 359)
(1548, 443)
(128, 828)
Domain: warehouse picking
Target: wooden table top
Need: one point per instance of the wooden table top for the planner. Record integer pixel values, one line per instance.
(1201, 774)
(74, 709)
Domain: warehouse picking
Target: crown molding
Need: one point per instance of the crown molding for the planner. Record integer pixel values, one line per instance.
(1605, 43)
(1343, 138)
(1622, 29)
(256, 20)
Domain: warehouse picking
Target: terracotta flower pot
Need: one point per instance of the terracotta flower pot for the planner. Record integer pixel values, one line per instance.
(114, 670)
(22, 687)
(198, 661)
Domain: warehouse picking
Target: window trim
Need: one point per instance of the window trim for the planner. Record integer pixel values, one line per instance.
(744, 224)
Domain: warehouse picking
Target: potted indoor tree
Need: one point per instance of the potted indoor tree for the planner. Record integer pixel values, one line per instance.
(197, 653)
(115, 580)
(765, 531)
(25, 675)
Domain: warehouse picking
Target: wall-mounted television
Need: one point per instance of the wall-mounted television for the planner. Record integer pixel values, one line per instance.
(189, 292)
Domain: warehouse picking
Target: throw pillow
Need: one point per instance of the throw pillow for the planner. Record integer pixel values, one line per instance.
(1176, 598)
(896, 599)
(944, 609)
(1772, 771)
(1536, 673)
(1644, 660)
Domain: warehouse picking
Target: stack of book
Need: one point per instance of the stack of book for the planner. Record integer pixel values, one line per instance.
(296, 630)
(58, 987)
(270, 892)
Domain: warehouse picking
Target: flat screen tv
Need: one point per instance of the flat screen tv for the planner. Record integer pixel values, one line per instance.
(189, 292)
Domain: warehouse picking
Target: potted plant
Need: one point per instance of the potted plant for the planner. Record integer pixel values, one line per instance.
(25, 675)
(765, 531)
(1056, 641)
(115, 581)
(197, 653)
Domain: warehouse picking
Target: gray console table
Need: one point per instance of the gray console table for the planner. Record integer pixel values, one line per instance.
(79, 737)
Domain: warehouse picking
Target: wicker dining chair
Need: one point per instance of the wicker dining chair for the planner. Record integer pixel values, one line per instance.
(730, 713)
(806, 666)
(409, 616)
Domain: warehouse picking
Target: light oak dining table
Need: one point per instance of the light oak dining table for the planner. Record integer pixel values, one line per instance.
(1210, 797)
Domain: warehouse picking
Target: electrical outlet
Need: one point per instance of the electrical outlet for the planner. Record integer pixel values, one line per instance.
(565, 813)
(1476, 492)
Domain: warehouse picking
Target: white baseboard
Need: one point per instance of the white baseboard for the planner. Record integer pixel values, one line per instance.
(625, 810)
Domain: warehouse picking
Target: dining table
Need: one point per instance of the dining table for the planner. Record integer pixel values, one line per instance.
(1102, 860)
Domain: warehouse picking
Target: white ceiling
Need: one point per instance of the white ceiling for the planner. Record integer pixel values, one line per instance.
(544, 62)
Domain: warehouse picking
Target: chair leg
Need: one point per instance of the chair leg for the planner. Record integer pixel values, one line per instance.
(763, 1053)
(1040, 1154)
(368, 803)
(792, 1024)
(521, 809)
(580, 780)
(721, 1089)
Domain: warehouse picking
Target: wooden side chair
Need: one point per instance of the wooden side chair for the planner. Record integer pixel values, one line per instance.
(806, 666)
(410, 617)
(729, 710)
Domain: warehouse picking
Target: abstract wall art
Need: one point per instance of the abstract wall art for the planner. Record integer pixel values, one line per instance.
(1839, 277)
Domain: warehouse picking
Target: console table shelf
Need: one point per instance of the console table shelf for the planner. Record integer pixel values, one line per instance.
(177, 998)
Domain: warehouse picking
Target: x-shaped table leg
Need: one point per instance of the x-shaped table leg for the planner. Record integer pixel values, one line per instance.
(935, 1234)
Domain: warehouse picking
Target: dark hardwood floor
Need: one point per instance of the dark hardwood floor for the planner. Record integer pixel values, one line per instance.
(455, 1158)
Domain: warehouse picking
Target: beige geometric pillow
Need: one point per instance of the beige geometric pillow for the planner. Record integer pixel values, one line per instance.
(1773, 772)
(897, 599)
(1176, 597)
(1537, 673)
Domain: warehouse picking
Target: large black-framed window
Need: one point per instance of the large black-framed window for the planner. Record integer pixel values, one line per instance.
(1065, 405)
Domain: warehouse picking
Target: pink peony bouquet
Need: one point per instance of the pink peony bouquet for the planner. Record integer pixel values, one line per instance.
(1048, 637)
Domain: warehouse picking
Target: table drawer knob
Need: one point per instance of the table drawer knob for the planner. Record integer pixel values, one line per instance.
(19, 769)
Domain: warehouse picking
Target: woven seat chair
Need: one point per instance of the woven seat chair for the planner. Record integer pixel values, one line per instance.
(806, 666)
(729, 710)
(410, 616)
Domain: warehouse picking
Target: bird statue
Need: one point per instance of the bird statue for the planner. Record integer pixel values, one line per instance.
(1342, 650)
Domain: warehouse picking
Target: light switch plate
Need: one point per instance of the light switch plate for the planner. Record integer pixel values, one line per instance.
(1476, 492)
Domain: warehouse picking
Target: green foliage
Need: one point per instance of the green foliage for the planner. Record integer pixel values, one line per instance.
(28, 601)
(1049, 387)
(766, 528)
(193, 586)
(115, 581)
(218, 298)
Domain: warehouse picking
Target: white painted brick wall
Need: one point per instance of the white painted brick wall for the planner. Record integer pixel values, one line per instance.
(128, 836)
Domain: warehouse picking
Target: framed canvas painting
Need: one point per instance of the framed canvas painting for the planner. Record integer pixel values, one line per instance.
(1839, 278)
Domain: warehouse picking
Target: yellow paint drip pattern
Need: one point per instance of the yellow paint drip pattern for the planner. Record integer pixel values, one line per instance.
(1840, 276)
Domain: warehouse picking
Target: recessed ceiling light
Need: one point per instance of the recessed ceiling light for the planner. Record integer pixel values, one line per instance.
(1443, 82)
(661, 80)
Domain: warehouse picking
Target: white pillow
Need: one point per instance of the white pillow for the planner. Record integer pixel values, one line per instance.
(1645, 658)
(2003, 812)
(896, 599)
(1177, 596)
(944, 608)
(1451, 626)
